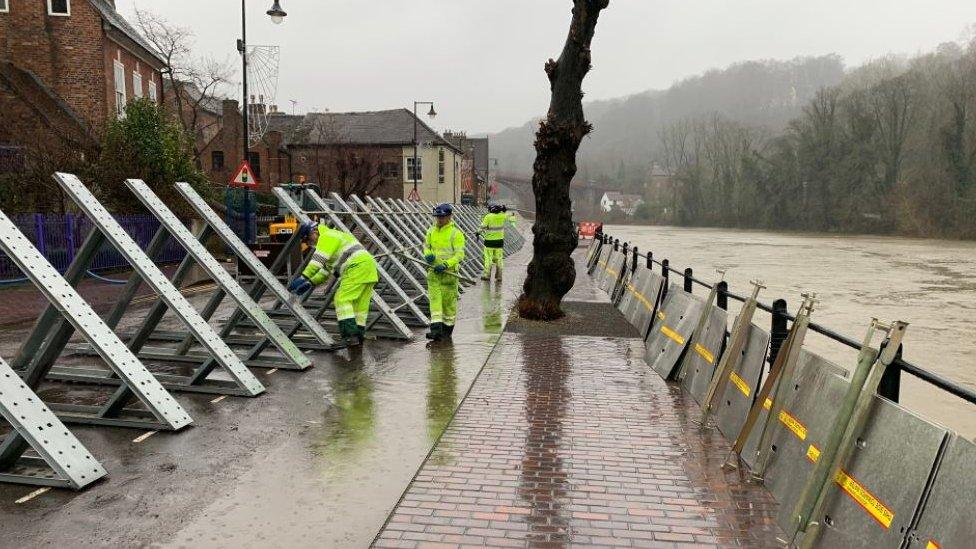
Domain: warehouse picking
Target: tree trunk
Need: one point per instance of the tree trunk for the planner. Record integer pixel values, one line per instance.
(551, 273)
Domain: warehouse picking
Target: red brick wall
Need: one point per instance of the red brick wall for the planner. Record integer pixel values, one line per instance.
(317, 164)
(275, 164)
(66, 53)
(132, 64)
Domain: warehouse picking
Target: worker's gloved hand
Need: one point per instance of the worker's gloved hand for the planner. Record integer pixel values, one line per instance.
(300, 285)
(440, 268)
(430, 258)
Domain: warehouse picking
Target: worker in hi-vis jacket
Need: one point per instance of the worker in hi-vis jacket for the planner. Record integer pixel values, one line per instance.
(339, 253)
(443, 251)
(493, 235)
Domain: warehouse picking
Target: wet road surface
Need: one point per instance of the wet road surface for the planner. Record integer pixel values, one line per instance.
(573, 440)
(317, 461)
(929, 283)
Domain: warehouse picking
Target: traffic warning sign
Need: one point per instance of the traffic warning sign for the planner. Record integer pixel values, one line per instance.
(244, 177)
(414, 196)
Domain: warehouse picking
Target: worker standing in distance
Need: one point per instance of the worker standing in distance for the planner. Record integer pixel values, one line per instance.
(493, 232)
(443, 250)
(339, 253)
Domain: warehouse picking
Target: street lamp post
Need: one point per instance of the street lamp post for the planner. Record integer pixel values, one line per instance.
(277, 16)
(488, 177)
(416, 124)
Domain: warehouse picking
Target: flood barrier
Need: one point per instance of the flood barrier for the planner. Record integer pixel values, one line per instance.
(139, 397)
(906, 481)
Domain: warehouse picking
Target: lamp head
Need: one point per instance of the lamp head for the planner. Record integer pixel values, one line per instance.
(276, 13)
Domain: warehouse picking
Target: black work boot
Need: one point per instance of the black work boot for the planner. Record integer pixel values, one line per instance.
(436, 331)
(361, 334)
(448, 331)
(349, 332)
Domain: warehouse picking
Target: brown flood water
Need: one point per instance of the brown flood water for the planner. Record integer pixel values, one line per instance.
(930, 284)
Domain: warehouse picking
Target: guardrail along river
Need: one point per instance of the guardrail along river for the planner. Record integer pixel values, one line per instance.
(930, 284)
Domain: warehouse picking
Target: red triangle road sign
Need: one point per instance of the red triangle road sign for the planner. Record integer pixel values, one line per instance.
(244, 177)
(414, 196)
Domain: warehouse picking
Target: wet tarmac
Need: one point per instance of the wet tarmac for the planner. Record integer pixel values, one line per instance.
(318, 461)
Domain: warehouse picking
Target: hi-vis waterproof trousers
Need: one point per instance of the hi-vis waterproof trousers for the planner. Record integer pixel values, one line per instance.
(355, 292)
(496, 257)
(442, 290)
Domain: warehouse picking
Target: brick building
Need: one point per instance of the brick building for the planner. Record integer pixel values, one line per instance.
(66, 68)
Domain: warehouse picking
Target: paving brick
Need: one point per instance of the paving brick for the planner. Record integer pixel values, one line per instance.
(573, 440)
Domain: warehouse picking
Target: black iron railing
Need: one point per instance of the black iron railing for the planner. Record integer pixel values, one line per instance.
(889, 386)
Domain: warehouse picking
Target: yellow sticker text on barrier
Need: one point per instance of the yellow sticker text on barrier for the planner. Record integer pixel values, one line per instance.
(793, 424)
(673, 335)
(856, 491)
(768, 404)
(932, 544)
(660, 315)
(865, 499)
(739, 383)
(701, 350)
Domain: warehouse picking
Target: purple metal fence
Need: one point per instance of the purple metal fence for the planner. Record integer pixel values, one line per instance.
(58, 237)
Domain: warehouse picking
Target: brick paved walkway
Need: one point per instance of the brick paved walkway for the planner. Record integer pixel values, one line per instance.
(574, 441)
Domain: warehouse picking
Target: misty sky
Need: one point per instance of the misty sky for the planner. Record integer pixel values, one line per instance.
(481, 60)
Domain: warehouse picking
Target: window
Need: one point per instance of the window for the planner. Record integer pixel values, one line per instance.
(136, 84)
(389, 170)
(4, 8)
(119, 89)
(417, 173)
(58, 7)
(254, 158)
(152, 91)
(440, 166)
(217, 160)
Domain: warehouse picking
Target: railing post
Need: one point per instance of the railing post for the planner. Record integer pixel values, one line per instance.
(625, 248)
(666, 273)
(890, 386)
(650, 260)
(722, 298)
(633, 263)
(778, 331)
(688, 276)
(616, 244)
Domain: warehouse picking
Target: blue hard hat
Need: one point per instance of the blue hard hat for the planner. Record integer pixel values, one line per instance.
(443, 210)
(306, 228)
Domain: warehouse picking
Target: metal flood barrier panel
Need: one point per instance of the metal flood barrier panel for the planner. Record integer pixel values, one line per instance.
(875, 497)
(949, 516)
(732, 407)
(640, 297)
(673, 326)
(597, 267)
(167, 413)
(63, 462)
(609, 271)
(291, 353)
(701, 359)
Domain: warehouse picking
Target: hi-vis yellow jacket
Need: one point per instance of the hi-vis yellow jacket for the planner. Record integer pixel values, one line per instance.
(446, 244)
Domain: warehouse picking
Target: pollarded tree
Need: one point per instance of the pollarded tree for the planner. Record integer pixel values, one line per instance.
(551, 273)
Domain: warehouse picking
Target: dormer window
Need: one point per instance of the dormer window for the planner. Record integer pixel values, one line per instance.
(57, 7)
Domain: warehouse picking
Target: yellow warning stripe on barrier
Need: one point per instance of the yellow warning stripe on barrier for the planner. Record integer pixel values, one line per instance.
(862, 496)
(701, 350)
(932, 544)
(793, 424)
(740, 383)
(673, 335)
(768, 404)
(640, 297)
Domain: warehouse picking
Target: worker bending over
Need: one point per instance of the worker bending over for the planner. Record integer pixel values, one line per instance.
(493, 233)
(339, 253)
(443, 250)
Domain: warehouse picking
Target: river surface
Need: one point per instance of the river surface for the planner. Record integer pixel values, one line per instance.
(931, 284)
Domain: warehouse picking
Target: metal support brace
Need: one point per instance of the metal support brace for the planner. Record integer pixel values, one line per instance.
(294, 358)
(162, 411)
(63, 461)
(848, 425)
